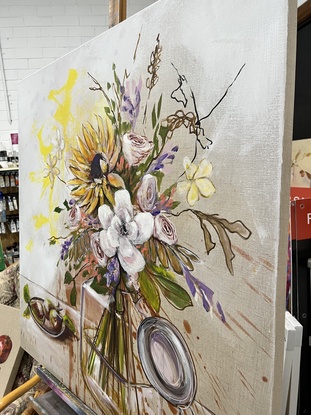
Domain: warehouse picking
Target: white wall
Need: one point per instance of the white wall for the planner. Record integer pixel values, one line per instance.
(34, 33)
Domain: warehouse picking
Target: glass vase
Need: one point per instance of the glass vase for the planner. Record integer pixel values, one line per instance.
(109, 358)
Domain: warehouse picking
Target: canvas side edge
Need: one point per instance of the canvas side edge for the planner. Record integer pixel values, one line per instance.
(284, 202)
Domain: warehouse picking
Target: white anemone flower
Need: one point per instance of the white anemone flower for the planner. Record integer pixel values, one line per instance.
(59, 144)
(122, 230)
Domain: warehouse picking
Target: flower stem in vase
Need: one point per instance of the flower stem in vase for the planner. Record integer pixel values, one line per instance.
(112, 360)
(100, 338)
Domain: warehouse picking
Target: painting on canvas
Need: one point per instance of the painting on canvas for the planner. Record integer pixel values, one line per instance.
(150, 248)
(10, 347)
(301, 163)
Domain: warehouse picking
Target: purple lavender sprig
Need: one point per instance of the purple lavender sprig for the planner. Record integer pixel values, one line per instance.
(65, 248)
(165, 158)
(198, 288)
(131, 102)
(113, 271)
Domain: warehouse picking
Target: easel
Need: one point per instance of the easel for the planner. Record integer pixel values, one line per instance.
(117, 11)
(59, 400)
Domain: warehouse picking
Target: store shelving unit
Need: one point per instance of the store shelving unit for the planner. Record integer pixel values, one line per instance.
(9, 216)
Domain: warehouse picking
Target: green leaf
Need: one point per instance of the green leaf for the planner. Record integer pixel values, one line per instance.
(159, 176)
(158, 270)
(154, 117)
(26, 294)
(78, 264)
(68, 323)
(26, 313)
(117, 80)
(101, 286)
(149, 290)
(66, 205)
(107, 110)
(108, 85)
(58, 210)
(112, 118)
(174, 293)
(68, 278)
(73, 296)
(125, 127)
(168, 191)
(155, 143)
(85, 273)
(102, 270)
(159, 106)
(163, 132)
(175, 204)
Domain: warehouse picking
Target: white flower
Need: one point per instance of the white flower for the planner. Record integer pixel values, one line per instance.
(97, 250)
(51, 171)
(133, 282)
(59, 144)
(74, 216)
(165, 230)
(122, 230)
(136, 148)
(147, 193)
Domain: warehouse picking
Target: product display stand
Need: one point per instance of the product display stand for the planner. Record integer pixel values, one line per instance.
(300, 291)
(58, 401)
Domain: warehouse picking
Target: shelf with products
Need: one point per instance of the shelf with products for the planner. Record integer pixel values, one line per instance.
(9, 212)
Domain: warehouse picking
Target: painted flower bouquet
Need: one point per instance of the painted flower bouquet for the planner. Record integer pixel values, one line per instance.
(122, 238)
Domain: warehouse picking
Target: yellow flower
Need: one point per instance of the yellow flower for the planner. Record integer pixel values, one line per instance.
(197, 183)
(92, 165)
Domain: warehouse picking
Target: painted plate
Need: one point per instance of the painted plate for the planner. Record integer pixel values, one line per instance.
(166, 361)
(49, 321)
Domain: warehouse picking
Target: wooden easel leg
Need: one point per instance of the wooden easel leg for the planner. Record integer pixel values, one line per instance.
(117, 11)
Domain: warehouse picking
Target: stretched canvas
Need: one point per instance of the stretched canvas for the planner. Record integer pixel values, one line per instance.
(155, 169)
(10, 347)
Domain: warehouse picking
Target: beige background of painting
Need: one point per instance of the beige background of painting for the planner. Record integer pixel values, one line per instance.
(238, 364)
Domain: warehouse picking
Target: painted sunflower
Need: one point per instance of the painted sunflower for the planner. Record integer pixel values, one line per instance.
(92, 163)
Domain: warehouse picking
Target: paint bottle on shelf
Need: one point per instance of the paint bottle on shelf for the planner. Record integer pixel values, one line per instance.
(7, 180)
(10, 204)
(14, 141)
(13, 226)
(12, 179)
(3, 157)
(10, 159)
(15, 205)
(2, 210)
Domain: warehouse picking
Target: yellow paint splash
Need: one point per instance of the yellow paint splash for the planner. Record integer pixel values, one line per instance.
(40, 220)
(63, 98)
(29, 245)
(45, 150)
